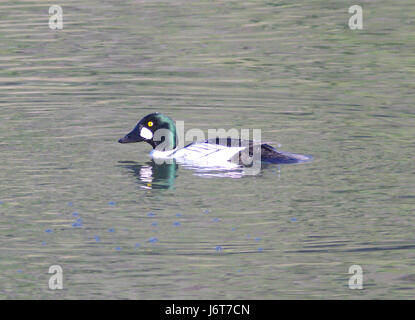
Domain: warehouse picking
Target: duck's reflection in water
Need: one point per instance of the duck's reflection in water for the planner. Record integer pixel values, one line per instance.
(237, 173)
(151, 175)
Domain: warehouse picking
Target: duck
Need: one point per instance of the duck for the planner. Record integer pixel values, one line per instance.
(159, 131)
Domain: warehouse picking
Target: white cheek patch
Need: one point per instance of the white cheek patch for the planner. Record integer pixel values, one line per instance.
(146, 133)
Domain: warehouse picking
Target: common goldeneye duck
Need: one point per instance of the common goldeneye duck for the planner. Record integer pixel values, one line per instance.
(160, 132)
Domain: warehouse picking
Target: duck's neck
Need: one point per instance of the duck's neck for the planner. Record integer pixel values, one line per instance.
(168, 136)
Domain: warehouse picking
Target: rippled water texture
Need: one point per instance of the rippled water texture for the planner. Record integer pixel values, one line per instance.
(121, 227)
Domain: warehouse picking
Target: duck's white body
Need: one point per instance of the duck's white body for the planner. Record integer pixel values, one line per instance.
(202, 154)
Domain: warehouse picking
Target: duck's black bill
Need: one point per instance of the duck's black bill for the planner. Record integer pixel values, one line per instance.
(130, 138)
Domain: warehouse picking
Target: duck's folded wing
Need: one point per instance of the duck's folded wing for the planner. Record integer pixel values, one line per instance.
(207, 152)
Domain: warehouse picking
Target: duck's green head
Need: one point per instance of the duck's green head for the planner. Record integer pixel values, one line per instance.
(156, 129)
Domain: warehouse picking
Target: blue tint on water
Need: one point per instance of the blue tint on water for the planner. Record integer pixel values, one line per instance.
(153, 240)
(78, 223)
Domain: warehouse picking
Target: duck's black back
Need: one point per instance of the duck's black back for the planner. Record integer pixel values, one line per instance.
(268, 153)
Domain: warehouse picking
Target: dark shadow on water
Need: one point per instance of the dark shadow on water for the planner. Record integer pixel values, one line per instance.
(151, 175)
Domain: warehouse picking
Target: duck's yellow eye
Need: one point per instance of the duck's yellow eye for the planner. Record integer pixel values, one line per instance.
(150, 123)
